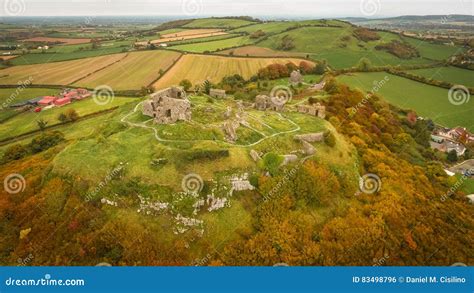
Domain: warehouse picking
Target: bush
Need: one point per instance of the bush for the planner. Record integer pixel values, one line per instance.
(271, 162)
(14, 152)
(45, 141)
(186, 84)
(206, 154)
(329, 139)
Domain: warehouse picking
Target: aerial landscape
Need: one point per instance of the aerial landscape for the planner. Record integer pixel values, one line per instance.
(237, 140)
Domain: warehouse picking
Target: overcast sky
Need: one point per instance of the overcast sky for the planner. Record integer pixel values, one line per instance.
(196, 8)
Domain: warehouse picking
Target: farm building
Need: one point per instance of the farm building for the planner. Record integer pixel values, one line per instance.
(313, 109)
(216, 93)
(168, 106)
(62, 101)
(30, 102)
(47, 100)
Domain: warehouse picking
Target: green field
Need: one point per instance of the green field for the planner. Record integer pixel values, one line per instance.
(428, 101)
(217, 23)
(202, 40)
(433, 51)
(214, 45)
(339, 47)
(26, 122)
(71, 52)
(450, 74)
(274, 27)
(9, 96)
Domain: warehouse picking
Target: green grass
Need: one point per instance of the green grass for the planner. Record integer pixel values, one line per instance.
(274, 27)
(217, 23)
(433, 51)
(201, 40)
(339, 47)
(450, 74)
(71, 52)
(9, 96)
(214, 45)
(26, 122)
(428, 101)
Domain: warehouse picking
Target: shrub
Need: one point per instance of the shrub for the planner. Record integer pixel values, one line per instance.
(45, 141)
(329, 139)
(186, 84)
(14, 152)
(271, 162)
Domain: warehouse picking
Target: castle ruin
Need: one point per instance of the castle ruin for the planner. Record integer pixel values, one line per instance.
(168, 106)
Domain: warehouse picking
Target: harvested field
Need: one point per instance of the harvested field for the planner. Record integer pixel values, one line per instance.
(57, 73)
(258, 52)
(189, 35)
(134, 71)
(198, 68)
(65, 41)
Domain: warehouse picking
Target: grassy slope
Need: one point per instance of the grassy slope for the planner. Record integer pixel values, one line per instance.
(433, 51)
(450, 74)
(428, 101)
(217, 23)
(327, 43)
(215, 45)
(57, 73)
(136, 70)
(26, 122)
(198, 68)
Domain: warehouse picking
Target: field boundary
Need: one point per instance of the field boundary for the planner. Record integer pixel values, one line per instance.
(166, 71)
(106, 66)
(13, 139)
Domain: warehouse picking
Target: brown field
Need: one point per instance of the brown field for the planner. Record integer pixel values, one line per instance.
(57, 73)
(64, 41)
(8, 57)
(134, 71)
(198, 68)
(186, 35)
(259, 52)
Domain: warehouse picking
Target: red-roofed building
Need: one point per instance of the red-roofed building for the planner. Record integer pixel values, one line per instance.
(82, 94)
(47, 100)
(62, 101)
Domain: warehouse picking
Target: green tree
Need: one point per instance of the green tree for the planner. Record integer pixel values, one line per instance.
(62, 117)
(41, 124)
(186, 84)
(364, 64)
(329, 139)
(452, 156)
(72, 115)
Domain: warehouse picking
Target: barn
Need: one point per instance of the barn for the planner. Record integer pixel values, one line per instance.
(62, 101)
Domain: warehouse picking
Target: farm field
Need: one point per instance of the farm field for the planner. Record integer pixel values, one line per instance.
(190, 32)
(218, 23)
(214, 45)
(450, 74)
(134, 71)
(186, 35)
(57, 40)
(258, 52)
(198, 68)
(72, 52)
(57, 73)
(433, 51)
(339, 47)
(26, 122)
(428, 101)
(9, 96)
(202, 40)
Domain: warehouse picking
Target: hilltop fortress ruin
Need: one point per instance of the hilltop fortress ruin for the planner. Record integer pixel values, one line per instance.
(168, 106)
